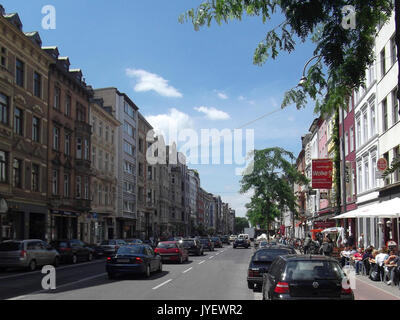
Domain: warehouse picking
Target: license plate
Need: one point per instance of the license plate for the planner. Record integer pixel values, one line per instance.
(123, 260)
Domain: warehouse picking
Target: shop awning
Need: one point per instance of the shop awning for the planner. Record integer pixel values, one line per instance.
(358, 212)
(384, 209)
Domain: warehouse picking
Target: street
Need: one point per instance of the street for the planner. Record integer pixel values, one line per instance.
(218, 275)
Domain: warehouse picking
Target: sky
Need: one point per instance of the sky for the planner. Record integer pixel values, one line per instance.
(181, 78)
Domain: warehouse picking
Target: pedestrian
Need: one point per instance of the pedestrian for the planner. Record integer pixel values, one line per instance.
(307, 243)
(326, 247)
(350, 241)
(361, 241)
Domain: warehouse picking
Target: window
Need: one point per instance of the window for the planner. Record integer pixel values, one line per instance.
(351, 139)
(393, 51)
(20, 72)
(383, 62)
(36, 129)
(107, 134)
(106, 196)
(37, 85)
(100, 129)
(371, 73)
(78, 187)
(112, 164)
(86, 188)
(112, 136)
(359, 177)
(35, 178)
(346, 143)
(3, 56)
(106, 163)
(128, 129)
(129, 110)
(373, 119)
(141, 145)
(365, 126)
(94, 156)
(385, 124)
(366, 174)
(358, 132)
(57, 97)
(4, 109)
(140, 169)
(18, 121)
(67, 146)
(56, 138)
(100, 195)
(395, 106)
(374, 168)
(66, 185)
(100, 160)
(128, 167)
(80, 113)
(128, 148)
(128, 187)
(150, 173)
(79, 148)
(94, 125)
(87, 156)
(68, 105)
(55, 182)
(3, 166)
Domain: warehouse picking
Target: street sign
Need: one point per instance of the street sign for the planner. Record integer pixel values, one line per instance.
(322, 170)
(382, 164)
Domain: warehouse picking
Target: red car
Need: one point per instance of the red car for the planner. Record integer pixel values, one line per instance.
(172, 251)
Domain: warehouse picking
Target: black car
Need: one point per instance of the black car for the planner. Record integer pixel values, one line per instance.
(260, 262)
(241, 242)
(138, 258)
(294, 277)
(217, 242)
(73, 251)
(207, 243)
(194, 246)
(133, 241)
(151, 243)
(108, 247)
(225, 239)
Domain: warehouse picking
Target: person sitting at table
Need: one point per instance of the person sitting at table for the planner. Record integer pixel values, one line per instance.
(365, 258)
(392, 263)
(380, 259)
(345, 256)
(357, 258)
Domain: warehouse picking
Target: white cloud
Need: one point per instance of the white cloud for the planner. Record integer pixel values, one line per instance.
(172, 122)
(237, 201)
(213, 114)
(150, 81)
(221, 95)
(241, 98)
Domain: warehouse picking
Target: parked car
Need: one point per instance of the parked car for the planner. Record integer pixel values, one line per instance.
(151, 243)
(194, 246)
(260, 262)
(133, 241)
(306, 277)
(241, 242)
(263, 244)
(207, 244)
(138, 258)
(111, 246)
(225, 239)
(232, 237)
(217, 242)
(73, 251)
(27, 254)
(175, 239)
(172, 251)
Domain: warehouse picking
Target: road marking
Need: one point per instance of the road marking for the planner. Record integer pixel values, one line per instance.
(211, 257)
(58, 268)
(217, 253)
(58, 287)
(187, 270)
(202, 261)
(160, 285)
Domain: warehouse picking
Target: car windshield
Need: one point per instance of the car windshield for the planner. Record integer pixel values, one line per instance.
(128, 250)
(134, 241)
(188, 243)
(269, 255)
(108, 242)
(10, 246)
(313, 270)
(215, 239)
(166, 245)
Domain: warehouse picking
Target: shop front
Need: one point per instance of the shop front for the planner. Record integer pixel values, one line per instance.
(64, 225)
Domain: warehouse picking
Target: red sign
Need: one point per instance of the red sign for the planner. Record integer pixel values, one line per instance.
(322, 174)
(382, 164)
(324, 224)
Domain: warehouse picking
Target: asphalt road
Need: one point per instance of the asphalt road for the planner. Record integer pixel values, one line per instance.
(218, 275)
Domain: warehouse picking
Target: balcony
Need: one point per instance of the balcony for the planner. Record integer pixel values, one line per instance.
(83, 127)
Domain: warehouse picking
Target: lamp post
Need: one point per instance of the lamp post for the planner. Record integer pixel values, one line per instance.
(304, 78)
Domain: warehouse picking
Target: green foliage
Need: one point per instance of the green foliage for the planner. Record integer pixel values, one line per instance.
(345, 53)
(272, 181)
(240, 224)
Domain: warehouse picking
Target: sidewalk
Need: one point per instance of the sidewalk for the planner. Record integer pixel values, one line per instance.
(367, 289)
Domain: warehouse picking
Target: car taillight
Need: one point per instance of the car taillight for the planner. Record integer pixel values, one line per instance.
(23, 254)
(156, 250)
(139, 260)
(254, 273)
(65, 249)
(108, 259)
(282, 287)
(177, 250)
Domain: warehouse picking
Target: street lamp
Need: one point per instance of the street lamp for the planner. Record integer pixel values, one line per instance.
(303, 79)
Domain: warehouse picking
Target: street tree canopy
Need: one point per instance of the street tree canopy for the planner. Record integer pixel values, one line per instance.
(272, 181)
(346, 53)
(240, 224)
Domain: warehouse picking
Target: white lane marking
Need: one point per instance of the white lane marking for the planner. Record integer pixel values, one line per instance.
(58, 287)
(58, 268)
(160, 285)
(211, 257)
(202, 261)
(187, 270)
(217, 253)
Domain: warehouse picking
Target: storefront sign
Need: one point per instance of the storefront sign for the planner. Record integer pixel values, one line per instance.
(382, 164)
(322, 174)
(324, 224)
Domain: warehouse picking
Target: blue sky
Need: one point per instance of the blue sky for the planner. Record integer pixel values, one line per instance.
(200, 80)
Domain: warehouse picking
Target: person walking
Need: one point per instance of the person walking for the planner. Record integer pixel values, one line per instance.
(307, 243)
(326, 247)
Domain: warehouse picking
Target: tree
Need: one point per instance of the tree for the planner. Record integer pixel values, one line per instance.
(240, 224)
(272, 181)
(346, 53)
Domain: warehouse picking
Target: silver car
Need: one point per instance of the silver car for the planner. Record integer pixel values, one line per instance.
(27, 254)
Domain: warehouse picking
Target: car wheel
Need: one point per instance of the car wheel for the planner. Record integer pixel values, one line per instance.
(74, 259)
(250, 285)
(160, 267)
(148, 273)
(32, 265)
(56, 262)
(111, 275)
(90, 256)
